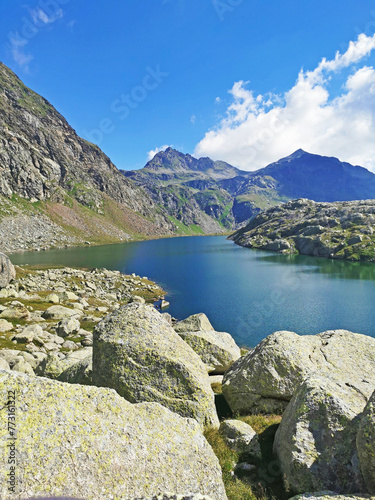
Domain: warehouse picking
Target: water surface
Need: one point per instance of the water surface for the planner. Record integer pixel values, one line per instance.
(248, 293)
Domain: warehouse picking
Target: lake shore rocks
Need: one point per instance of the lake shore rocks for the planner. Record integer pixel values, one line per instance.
(90, 443)
(338, 230)
(137, 353)
(217, 350)
(265, 379)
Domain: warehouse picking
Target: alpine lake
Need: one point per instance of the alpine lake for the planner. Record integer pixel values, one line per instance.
(248, 293)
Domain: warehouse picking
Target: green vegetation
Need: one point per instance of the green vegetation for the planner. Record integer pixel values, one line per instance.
(264, 482)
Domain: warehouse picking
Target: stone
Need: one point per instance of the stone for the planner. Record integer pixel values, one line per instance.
(68, 326)
(164, 304)
(366, 444)
(59, 312)
(15, 312)
(316, 440)
(7, 271)
(68, 296)
(139, 354)
(265, 379)
(5, 326)
(53, 298)
(88, 442)
(28, 334)
(4, 294)
(217, 350)
(70, 345)
(137, 299)
(11, 356)
(241, 438)
(53, 366)
(23, 366)
(171, 496)
(195, 323)
(79, 372)
(4, 365)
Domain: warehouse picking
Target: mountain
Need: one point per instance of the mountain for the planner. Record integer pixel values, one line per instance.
(213, 196)
(51, 177)
(338, 230)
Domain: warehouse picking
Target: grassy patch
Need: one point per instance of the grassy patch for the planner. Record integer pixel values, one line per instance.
(262, 483)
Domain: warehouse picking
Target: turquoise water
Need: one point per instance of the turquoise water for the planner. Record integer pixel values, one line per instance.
(247, 293)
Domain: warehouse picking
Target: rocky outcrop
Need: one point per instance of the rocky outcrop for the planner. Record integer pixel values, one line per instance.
(241, 438)
(366, 444)
(90, 443)
(265, 379)
(139, 354)
(217, 350)
(340, 230)
(7, 271)
(316, 440)
(43, 159)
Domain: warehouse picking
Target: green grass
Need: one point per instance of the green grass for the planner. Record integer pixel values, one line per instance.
(263, 483)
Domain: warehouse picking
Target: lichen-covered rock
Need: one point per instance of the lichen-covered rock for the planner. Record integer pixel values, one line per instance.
(54, 364)
(5, 326)
(78, 373)
(68, 326)
(90, 443)
(217, 350)
(265, 379)
(330, 495)
(139, 354)
(316, 440)
(7, 271)
(241, 437)
(195, 323)
(366, 444)
(60, 312)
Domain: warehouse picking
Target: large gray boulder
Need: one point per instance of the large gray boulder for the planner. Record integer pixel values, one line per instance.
(366, 444)
(7, 271)
(265, 379)
(217, 350)
(88, 442)
(54, 366)
(139, 354)
(316, 440)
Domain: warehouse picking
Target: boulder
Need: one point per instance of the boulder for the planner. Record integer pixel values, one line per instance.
(265, 379)
(5, 326)
(7, 271)
(68, 326)
(195, 323)
(23, 366)
(241, 437)
(17, 311)
(139, 354)
(316, 440)
(53, 366)
(88, 442)
(4, 365)
(59, 312)
(79, 372)
(171, 496)
(366, 444)
(217, 350)
(28, 334)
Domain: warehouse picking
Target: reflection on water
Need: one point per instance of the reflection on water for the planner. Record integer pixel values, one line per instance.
(249, 293)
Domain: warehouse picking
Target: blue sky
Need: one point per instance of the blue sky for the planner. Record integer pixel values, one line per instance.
(219, 78)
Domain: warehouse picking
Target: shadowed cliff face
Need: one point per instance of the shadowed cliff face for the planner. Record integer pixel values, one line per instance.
(43, 159)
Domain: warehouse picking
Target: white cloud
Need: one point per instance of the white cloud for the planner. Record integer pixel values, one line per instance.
(193, 119)
(260, 129)
(18, 50)
(218, 100)
(40, 17)
(153, 152)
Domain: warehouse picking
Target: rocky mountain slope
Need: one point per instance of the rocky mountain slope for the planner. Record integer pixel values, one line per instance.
(339, 230)
(52, 179)
(209, 196)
